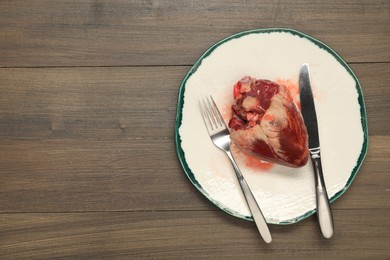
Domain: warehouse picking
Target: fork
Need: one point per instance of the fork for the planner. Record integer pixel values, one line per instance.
(220, 136)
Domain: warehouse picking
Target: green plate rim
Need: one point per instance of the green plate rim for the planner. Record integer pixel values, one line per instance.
(180, 103)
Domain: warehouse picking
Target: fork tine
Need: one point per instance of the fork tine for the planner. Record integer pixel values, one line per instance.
(211, 113)
(217, 115)
(205, 115)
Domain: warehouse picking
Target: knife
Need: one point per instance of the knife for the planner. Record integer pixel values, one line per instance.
(308, 110)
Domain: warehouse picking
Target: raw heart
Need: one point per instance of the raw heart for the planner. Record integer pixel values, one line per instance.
(267, 124)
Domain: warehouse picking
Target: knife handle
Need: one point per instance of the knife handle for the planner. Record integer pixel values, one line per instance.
(254, 208)
(324, 212)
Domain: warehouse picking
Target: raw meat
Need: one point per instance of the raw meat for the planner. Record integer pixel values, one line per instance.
(267, 124)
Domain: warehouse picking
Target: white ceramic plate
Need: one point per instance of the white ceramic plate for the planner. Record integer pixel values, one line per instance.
(285, 195)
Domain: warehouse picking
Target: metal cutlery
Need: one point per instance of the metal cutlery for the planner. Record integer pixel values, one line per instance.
(220, 136)
(324, 212)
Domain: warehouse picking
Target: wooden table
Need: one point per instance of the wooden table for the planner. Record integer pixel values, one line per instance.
(88, 95)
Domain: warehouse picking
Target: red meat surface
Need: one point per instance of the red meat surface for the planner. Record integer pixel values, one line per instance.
(267, 124)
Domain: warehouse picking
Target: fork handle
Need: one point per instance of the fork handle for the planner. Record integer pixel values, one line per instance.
(252, 203)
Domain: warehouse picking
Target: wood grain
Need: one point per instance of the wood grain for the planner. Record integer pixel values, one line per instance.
(113, 33)
(374, 79)
(183, 234)
(61, 176)
(88, 94)
(126, 102)
(101, 139)
(89, 103)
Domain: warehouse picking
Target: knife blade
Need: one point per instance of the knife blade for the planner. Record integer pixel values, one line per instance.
(308, 110)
